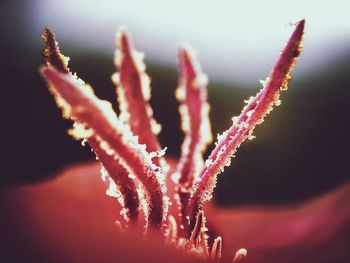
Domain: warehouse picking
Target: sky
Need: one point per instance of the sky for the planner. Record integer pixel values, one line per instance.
(236, 41)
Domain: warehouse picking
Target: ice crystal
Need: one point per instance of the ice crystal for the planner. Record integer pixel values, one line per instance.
(128, 149)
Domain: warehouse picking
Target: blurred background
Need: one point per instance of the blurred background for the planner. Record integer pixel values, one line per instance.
(301, 150)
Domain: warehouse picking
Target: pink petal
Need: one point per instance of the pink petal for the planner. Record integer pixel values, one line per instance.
(317, 231)
(70, 219)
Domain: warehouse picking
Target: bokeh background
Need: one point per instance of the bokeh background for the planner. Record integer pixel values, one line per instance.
(301, 150)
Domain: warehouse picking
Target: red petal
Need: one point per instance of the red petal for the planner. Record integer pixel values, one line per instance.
(70, 219)
(316, 231)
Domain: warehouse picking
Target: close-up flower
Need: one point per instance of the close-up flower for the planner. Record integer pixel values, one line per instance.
(129, 152)
(138, 203)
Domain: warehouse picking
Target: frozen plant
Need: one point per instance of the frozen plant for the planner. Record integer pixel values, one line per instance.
(131, 156)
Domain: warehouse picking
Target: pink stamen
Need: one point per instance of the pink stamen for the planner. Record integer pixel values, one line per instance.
(133, 89)
(84, 107)
(252, 115)
(194, 109)
(120, 176)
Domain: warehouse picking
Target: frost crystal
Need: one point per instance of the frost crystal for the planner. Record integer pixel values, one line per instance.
(128, 149)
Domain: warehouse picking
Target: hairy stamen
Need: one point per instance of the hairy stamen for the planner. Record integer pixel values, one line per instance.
(52, 54)
(116, 171)
(133, 89)
(240, 256)
(216, 249)
(194, 110)
(127, 147)
(243, 126)
(120, 176)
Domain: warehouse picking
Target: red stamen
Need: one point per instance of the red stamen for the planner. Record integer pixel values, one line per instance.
(216, 250)
(197, 230)
(194, 109)
(118, 173)
(133, 89)
(120, 176)
(240, 256)
(84, 107)
(120, 143)
(52, 53)
(252, 115)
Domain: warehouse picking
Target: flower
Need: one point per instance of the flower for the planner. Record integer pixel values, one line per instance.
(71, 213)
(130, 154)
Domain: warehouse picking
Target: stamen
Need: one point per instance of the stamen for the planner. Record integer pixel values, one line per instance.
(194, 110)
(121, 178)
(172, 230)
(216, 254)
(240, 256)
(133, 89)
(79, 103)
(203, 243)
(197, 230)
(252, 115)
(99, 116)
(118, 173)
(128, 147)
(52, 54)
